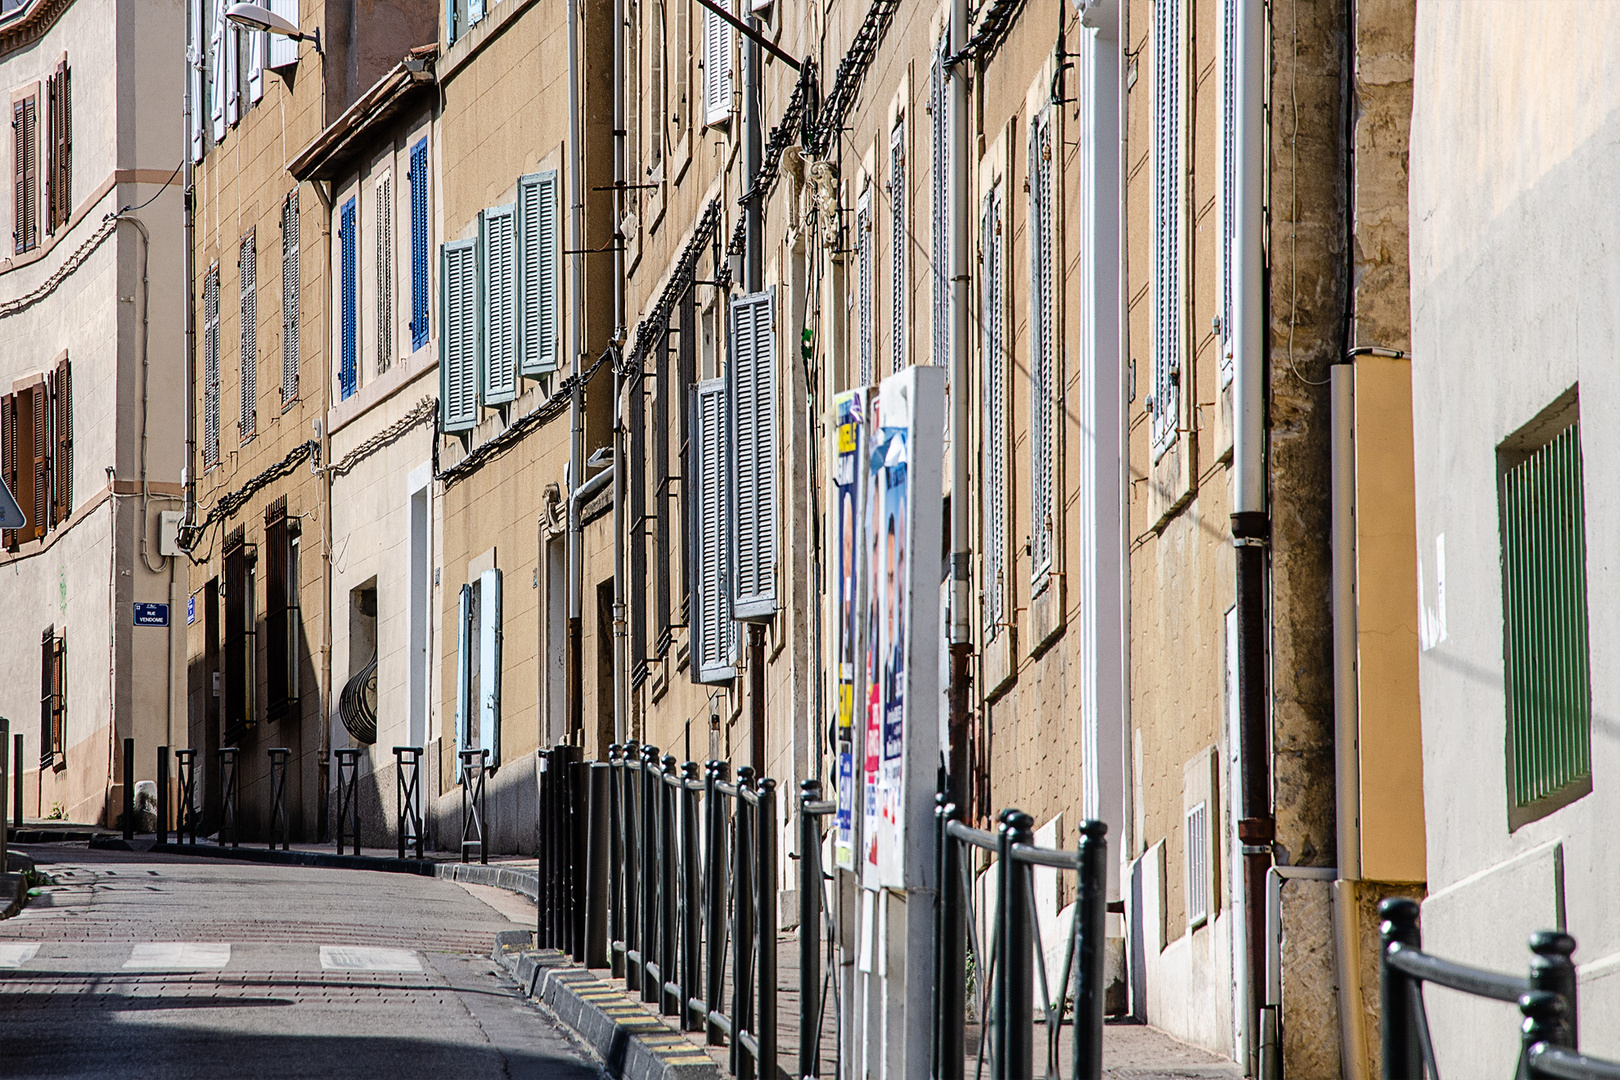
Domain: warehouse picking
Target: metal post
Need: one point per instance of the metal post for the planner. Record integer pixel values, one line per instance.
(1014, 1014)
(1546, 1020)
(714, 905)
(16, 780)
(691, 900)
(596, 903)
(579, 820)
(648, 872)
(1553, 970)
(742, 922)
(615, 866)
(408, 824)
(185, 762)
(765, 926)
(129, 790)
(163, 795)
(630, 819)
(668, 964)
(1089, 950)
(809, 930)
(1403, 1058)
(348, 810)
(279, 830)
(950, 973)
(473, 763)
(227, 795)
(7, 764)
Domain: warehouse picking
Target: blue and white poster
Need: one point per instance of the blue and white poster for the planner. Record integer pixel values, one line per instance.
(845, 481)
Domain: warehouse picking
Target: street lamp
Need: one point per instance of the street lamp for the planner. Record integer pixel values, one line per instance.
(258, 17)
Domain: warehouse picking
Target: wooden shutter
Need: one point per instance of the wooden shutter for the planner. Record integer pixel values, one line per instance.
(1043, 381)
(39, 406)
(458, 334)
(218, 72)
(993, 499)
(284, 50)
(717, 65)
(291, 288)
(418, 177)
(348, 346)
(275, 604)
(713, 633)
(235, 557)
(497, 227)
(62, 432)
(1229, 30)
(537, 273)
(752, 398)
(248, 265)
(385, 273)
(47, 693)
(898, 234)
(8, 462)
(1165, 406)
(25, 204)
(489, 664)
(939, 98)
(53, 118)
(864, 285)
(211, 367)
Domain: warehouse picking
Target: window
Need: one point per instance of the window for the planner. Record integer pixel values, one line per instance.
(241, 619)
(1228, 222)
(1164, 406)
(36, 452)
(939, 107)
(52, 697)
(291, 286)
(1549, 692)
(717, 65)
(211, 367)
(1197, 865)
(62, 442)
(283, 51)
(385, 273)
(458, 336)
(25, 169)
(217, 73)
(994, 471)
(640, 527)
(496, 227)
(478, 666)
(248, 264)
(196, 75)
(461, 16)
(233, 73)
(59, 148)
(863, 286)
(253, 47)
(1044, 384)
(537, 273)
(281, 608)
(348, 301)
(419, 244)
(714, 634)
(672, 376)
(753, 407)
(899, 230)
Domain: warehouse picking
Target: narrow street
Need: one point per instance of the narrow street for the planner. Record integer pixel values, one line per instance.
(163, 966)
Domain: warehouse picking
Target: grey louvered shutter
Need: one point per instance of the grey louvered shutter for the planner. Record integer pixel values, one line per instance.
(537, 273)
(753, 433)
(489, 664)
(1229, 29)
(939, 104)
(864, 285)
(384, 233)
(898, 221)
(248, 264)
(459, 334)
(463, 668)
(217, 73)
(713, 631)
(1165, 406)
(291, 286)
(284, 50)
(1043, 379)
(499, 307)
(994, 472)
(211, 367)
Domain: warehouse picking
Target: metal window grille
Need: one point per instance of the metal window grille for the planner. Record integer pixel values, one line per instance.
(211, 367)
(864, 285)
(1197, 864)
(500, 310)
(1043, 380)
(898, 220)
(348, 302)
(1165, 406)
(385, 273)
(994, 497)
(248, 265)
(939, 105)
(1544, 603)
(291, 285)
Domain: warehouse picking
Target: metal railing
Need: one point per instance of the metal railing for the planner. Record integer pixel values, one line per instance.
(474, 764)
(1006, 969)
(227, 795)
(163, 795)
(814, 979)
(187, 814)
(1546, 997)
(407, 794)
(564, 779)
(278, 828)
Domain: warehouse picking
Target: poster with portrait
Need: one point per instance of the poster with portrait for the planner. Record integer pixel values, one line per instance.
(845, 481)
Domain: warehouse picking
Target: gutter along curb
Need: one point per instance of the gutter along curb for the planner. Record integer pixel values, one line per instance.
(631, 1043)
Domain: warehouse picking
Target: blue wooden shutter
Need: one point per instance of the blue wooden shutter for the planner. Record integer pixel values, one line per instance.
(458, 334)
(753, 411)
(349, 365)
(537, 273)
(496, 228)
(713, 633)
(419, 244)
(489, 664)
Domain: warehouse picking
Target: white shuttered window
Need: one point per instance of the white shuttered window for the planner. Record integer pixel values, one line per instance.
(753, 431)
(717, 48)
(500, 304)
(283, 50)
(196, 72)
(1044, 382)
(1165, 405)
(993, 499)
(459, 338)
(537, 273)
(899, 221)
(216, 70)
(713, 632)
(248, 264)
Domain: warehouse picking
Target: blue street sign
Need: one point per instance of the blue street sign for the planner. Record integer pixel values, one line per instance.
(191, 610)
(151, 614)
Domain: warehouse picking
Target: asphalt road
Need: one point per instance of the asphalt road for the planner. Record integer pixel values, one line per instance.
(138, 965)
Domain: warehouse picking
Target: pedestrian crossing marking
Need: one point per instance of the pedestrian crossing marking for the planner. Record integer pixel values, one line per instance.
(177, 956)
(14, 954)
(367, 958)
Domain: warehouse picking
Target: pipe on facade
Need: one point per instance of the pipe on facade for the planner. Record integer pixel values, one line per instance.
(1271, 1001)
(621, 640)
(576, 398)
(323, 764)
(587, 491)
(961, 521)
(1346, 703)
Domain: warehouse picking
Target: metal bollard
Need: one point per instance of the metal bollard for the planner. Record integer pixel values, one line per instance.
(691, 886)
(163, 795)
(950, 935)
(348, 808)
(1553, 970)
(742, 927)
(1403, 1058)
(7, 763)
(765, 927)
(227, 794)
(668, 964)
(1089, 955)
(129, 789)
(597, 899)
(185, 762)
(1014, 1012)
(407, 792)
(648, 874)
(16, 780)
(714, 905)
(278, 797)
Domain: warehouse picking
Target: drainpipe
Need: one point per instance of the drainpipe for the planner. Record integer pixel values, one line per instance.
(576, 399)
(621, 641)
(1250, 517)
(323, 765)
(961, 522)
(753, 282)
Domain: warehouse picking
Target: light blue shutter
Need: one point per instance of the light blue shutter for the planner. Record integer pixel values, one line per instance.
(993, 499)
(475, 13)
(255, 45)
(537, 273)
(451, 30)
(284, 50)
(939, 98)
(463, 668)
(196, 73)
(458, 334)
(753, 438)
(500, 313)
(419, 244)
(233, 74)
(713, 633)
(216, 70)
(489, 664)
(899, 232)
(349, 369)
(1165, 406)
(1043, 382)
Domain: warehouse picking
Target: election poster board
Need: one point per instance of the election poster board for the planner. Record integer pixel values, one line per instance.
(846, 482)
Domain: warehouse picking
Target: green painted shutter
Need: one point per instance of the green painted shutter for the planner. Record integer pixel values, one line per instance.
(537, 273)
(458, 336)
(499, 307)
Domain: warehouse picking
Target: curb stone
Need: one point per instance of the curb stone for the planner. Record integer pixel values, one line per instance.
(631, 1043)
(13, 890)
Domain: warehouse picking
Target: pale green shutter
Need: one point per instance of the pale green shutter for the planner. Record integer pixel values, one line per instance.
(537, 273)
(499, 307)
(489, 664)
(713, 633)
(459, 336)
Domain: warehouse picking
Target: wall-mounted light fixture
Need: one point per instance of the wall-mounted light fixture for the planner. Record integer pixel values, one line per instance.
(258, 17)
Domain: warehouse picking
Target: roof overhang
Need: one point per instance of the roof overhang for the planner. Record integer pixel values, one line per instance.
(336, 150)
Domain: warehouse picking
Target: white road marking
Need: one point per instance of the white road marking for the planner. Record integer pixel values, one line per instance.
(366, 958)
(14, 954)
(177, 955)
